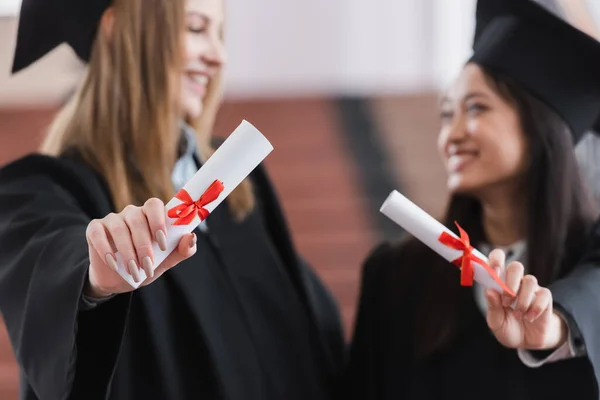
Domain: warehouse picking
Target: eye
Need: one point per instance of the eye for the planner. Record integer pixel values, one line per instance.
(196, 29)
(476, 108)
(196, 23)
(446, 115)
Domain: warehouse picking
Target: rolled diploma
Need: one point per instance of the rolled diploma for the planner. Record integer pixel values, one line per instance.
(427, 229)
(233, 161)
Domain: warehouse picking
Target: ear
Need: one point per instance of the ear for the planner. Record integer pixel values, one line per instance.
(107, 21)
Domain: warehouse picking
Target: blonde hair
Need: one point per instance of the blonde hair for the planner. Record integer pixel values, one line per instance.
(241, 201)
(123, 119)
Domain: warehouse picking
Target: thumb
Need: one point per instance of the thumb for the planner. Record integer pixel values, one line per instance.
(496, 315)
(185, 249)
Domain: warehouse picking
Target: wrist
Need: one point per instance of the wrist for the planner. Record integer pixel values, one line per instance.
(92, 291)
(559, 332)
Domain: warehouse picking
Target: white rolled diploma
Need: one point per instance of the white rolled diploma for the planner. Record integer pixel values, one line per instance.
(233, 161)
(428, 230)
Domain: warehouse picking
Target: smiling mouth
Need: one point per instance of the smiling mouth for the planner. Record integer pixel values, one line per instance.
(200, 79)
(197, 83)
(457, 162)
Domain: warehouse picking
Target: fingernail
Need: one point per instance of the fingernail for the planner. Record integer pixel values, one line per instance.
(161, 239)
(147, 263)
(112, 263)
(134, 270)
(193, 241)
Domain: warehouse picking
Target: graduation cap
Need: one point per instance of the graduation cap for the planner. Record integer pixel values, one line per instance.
(46, 24)
(552, 60)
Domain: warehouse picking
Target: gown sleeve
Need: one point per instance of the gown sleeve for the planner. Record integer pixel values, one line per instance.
(63, 352)
(577, 296)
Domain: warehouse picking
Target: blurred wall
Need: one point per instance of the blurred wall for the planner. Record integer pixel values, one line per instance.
(282, 49)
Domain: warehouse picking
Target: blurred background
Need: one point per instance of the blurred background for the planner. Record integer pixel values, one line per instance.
(347, 92)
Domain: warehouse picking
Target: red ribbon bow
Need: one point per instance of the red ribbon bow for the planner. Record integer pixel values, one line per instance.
(186, 211)
(465, 262)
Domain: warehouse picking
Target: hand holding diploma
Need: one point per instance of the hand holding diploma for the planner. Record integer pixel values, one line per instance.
(531, 324)
(519, 311)
(139, 243)
(131, 233)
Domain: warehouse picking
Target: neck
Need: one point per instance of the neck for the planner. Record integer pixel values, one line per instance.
(504, 216)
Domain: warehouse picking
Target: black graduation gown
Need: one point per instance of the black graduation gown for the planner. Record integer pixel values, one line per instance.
(244, 318)
(382, 363)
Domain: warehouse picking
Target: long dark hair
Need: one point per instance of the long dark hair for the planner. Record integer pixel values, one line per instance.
(560, 213)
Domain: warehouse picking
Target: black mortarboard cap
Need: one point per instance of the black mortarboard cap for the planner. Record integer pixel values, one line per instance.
(552, 60)
(46, 24)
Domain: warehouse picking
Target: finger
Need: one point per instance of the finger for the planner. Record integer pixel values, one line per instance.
(154, 209)
(141, 237)
(529, 285)
(541, 305)
(497, 259)
(98, 241)
(514, 275)
(121, 236)
(496, 314)
(185, 249)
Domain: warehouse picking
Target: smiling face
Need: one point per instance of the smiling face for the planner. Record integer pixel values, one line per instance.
(481, 141)
(204, 52)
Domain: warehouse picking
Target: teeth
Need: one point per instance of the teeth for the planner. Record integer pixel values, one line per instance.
(455, 160)
(199, 79)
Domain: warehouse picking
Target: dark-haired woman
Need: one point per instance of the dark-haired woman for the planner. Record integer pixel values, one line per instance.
(508, 126)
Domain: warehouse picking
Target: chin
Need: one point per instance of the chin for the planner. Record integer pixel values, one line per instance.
(459, 184)
(192, 110)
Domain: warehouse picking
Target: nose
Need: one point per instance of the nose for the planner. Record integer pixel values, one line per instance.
(453, 131)
(456, 129)
(215, 54)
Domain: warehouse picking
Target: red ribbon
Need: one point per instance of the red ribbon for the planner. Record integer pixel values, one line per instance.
(465, 262)
(186, 211)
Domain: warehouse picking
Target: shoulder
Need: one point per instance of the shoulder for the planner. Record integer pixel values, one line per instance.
(42, 165)
(595, 234)
(592, 248)
(66, 177)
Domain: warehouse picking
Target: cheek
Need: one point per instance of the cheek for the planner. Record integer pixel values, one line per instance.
(477, 127)
(519, 157)
(509, 158)
(442, 140)
(188, 48)
(195, 46)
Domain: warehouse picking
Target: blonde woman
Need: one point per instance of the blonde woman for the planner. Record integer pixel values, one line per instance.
(239, 317)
